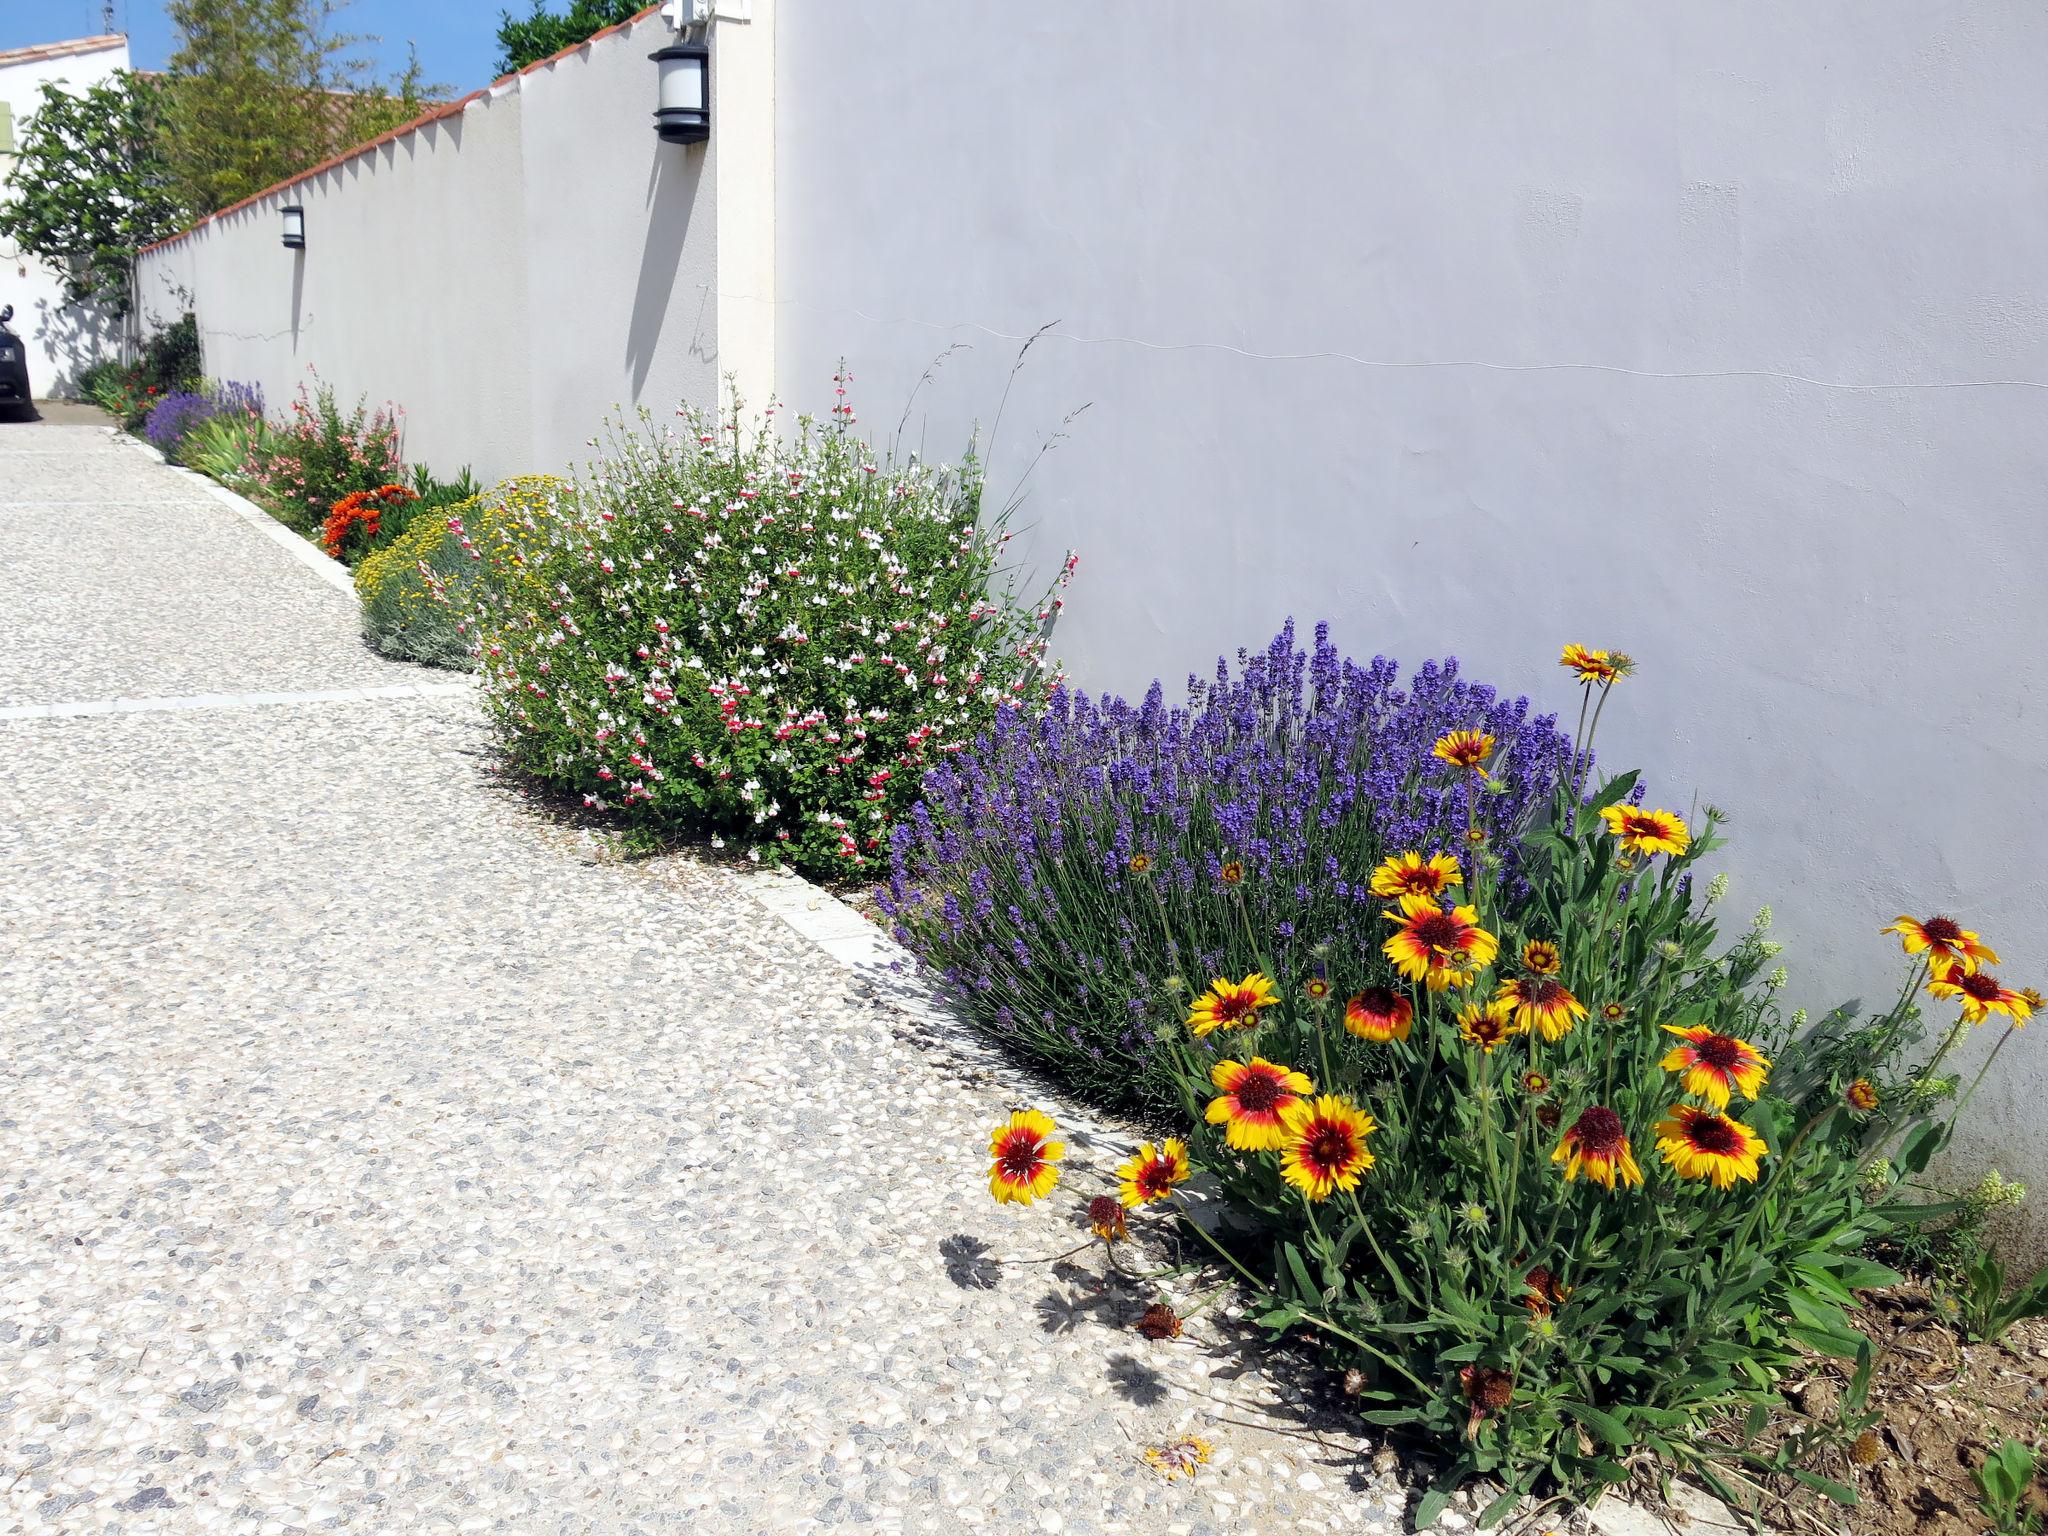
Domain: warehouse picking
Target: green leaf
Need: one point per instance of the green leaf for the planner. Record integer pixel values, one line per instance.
(1498, 1509)
(1613, 790)
(1841, 1493)
(1921, 1146)
(1828, 1341)
(1603, 1424)
(1429, 1506)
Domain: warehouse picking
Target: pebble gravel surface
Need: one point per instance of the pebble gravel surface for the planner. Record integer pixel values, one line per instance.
(380, 1154)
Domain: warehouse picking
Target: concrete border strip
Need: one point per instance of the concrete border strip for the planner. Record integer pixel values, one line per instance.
(75, 709)
(331, 571)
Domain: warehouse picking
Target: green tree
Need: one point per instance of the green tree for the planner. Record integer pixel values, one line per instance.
(91, 187)
(259, 90)
(521, 42)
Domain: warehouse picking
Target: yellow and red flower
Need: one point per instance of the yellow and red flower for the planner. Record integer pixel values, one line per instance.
(1591, 666)
(1711, 1063)
(1410, 874)
(1613, 1013)
(1543, 1292)
(1232, 872)
(1232, 1004)
(1597, 1146)
(1980, 993)
(1542, 1003)
(1316, 988)
(1023, 1157)
(1153, 1173)
(1488, 1024)
(1465, 749)
(1540, 958)
(1141, 863)
(1252, 1097)
(1325, 1150)
(1943, 940)
(1861, 1096)
(1379, 1014)
(1534, 1082)
(1705, 1144)
(1179, 1458)
(1647, 832)
(1437, 945)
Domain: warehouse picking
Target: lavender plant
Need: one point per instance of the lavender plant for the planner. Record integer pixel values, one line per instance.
(175, 416)
(1064, 875)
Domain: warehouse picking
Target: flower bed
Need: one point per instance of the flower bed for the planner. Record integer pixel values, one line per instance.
(1541, 1165)
(762, 638)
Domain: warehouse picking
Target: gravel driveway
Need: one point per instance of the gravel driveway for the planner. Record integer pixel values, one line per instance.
(378, 1155)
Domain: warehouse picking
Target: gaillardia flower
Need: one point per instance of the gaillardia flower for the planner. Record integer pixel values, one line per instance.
(1489, 1391)
(1465, 749)
(1613, 1013)
(1713, 1063)
(1540, 958)
(1704, 1144)
(1325, 1149)
(1597, 1146)
(1944, 941)
(1023, 1156)
(1534, 1082)
(1232, 1004)
(1159, 1321)
(1379, 1014)
(1232, 872)
(1152, 1174)
(1316, 988)
(1488, 1024)
(1251, 1099)
(1141, 863)
(1436, 944)
(1179, 1458)
(1106, 1218)
(1542, 1003)
(1590, 665)
(1980, 994)
(1861, 1096)
(1410, 874)
(1647, 832)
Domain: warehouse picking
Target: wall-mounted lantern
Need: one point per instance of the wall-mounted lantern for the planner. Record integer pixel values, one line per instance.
(295, 227)
(683, 111)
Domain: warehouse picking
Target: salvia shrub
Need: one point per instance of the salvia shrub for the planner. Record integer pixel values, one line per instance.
(1067, 872)
(1542, 1166)
(321, 454)
(419, 592)
(760, 637)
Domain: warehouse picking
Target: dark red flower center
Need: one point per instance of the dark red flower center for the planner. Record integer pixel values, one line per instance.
(1711, 1133)
(1543, 992)
(1599, 1132)
(1642, 826)
(1329, 1147)
(1258, 1091)
(1377, 1003)
(1105, 1211)
(1440, 930)
(1233, 1005)
(1982, 986)
(1942, 930)
(1719, 1052)
(1019, 1155)
(1155, 1179)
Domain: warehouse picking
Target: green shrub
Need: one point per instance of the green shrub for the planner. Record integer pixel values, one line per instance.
(419, 591)
(230, 447)
(321, 455)
(759, 637)
(170, 358)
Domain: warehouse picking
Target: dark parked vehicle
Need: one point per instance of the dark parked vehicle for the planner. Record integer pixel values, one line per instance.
(13, 365)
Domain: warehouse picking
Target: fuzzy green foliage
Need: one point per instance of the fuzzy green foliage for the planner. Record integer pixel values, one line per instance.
(2005, 1486)
(419, 591)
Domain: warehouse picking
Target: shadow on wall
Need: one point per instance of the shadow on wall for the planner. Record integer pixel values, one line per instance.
(74, 336)
(671, 197)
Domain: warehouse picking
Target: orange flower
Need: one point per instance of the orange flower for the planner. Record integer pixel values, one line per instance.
(1411, 874)
(1106, 1218)
(1597, 1146)
(1944, 941)
(1436, 944)
(1465, 749)
(1540, 958)
(1252, 1097)
(1712, 1063)
(1379, 1014)
(1543, 1003)
(1980, 994)
(1232, 872)
(1862, 1096)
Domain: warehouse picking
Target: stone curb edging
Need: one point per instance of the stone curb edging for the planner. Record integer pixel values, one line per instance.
(329, 570)
(875, 959)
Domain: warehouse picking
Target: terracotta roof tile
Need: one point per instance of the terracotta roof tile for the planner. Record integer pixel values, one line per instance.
(40, 51)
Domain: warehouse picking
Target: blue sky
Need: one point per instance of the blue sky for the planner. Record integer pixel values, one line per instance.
(457, 39)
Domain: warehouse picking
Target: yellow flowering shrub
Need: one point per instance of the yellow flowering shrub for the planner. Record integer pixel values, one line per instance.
(417, 591)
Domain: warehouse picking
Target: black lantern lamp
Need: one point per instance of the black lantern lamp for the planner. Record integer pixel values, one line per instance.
(683, 111)
(294, 227)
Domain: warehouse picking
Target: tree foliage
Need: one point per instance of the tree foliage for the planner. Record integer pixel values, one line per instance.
(521, 42)
(259, 90)
(91, 186)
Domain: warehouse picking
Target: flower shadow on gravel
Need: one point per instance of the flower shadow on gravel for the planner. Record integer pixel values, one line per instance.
(969, 1263)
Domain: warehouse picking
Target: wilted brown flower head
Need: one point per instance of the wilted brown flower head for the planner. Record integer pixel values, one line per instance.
(1160, 1322)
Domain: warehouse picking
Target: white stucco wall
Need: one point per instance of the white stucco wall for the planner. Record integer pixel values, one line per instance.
(1674, 329)
(505, 274)
(62, 338)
